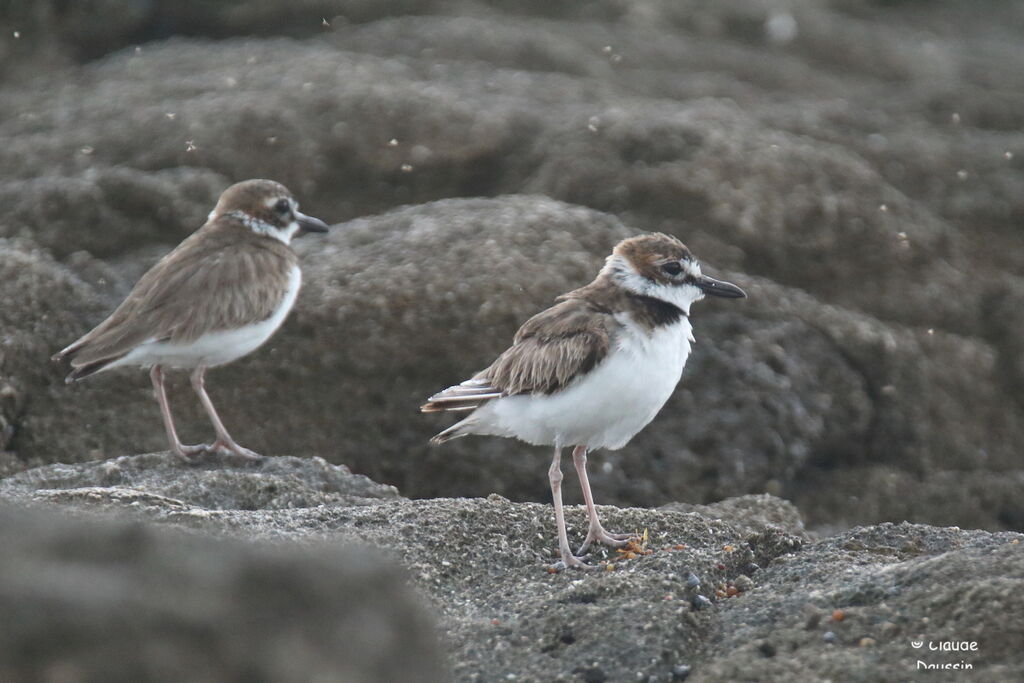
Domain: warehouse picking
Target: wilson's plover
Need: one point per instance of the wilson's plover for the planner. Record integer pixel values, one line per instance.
(591, 371)
(218, 296)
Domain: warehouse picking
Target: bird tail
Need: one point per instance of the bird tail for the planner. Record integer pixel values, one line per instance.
(456, 431)
(69, 350)
(82, 367)
(83, 371)
(469, 395)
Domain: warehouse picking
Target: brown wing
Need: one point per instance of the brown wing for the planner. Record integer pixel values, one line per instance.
(550, 350)
(210, 282)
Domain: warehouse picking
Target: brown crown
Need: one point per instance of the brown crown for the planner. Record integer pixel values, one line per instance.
(250, 197)
(646, 253)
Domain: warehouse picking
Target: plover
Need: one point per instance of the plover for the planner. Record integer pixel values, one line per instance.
(594, 369)
(215, 298)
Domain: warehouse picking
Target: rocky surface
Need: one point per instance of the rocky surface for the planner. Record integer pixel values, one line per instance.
(856, 165)
(102, 600)
(731, 591)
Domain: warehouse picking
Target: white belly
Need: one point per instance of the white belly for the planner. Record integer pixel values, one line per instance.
(605, 408)
(215, 348)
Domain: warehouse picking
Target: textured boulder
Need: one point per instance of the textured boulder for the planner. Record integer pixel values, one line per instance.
(272, 483)
(42, 302)
(110, 211)
(99, 600)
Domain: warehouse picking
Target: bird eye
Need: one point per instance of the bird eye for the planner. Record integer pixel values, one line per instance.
(282, 206)
(672, 268)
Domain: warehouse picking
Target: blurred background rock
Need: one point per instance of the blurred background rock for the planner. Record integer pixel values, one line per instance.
(858, 166)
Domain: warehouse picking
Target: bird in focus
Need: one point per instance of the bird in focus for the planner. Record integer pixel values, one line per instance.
(593, 370)
(216, 297)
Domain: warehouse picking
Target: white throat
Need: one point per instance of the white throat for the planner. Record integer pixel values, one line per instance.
(623, 274)
(284, 234)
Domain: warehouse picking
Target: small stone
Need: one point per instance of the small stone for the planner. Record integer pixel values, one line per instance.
(767, 649)
(866, 642)
(829, 637)
(838, 615)
(743, 583)
(700, 602)
(680, 672)
(692, 580)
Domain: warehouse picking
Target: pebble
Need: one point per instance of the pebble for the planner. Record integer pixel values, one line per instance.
(681, 672)
(829, 637)
(692, 580)
(699, 602)
(743, 583)
(767, 649)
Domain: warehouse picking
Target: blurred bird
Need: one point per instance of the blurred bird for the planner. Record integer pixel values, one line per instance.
(218, 296)
(593, 370)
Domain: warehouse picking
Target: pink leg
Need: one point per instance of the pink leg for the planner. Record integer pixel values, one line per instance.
(224, 444)
(596, 532)
(555, 476)
(156, 374)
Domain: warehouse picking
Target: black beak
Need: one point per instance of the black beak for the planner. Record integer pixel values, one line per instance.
(713, 287)
(309, 224)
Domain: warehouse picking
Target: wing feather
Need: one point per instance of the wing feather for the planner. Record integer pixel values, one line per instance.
(208, 283)
(549, 351)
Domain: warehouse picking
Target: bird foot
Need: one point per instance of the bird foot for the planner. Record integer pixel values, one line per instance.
(227, 448)
(219, 447)
(570, 561)
(188, 453)
(601, 536)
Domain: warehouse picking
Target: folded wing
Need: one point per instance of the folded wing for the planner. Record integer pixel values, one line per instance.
(549, 351)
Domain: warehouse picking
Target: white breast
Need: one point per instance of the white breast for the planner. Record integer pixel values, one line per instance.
(216, 348)
(606, 407)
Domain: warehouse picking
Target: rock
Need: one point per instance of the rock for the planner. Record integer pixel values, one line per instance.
(103, 600)
(272, 483)
(692, 121)
(750, 514)
(482, 564)
(47, 306)
(935, 584)
(43, 302)
(129, 208)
